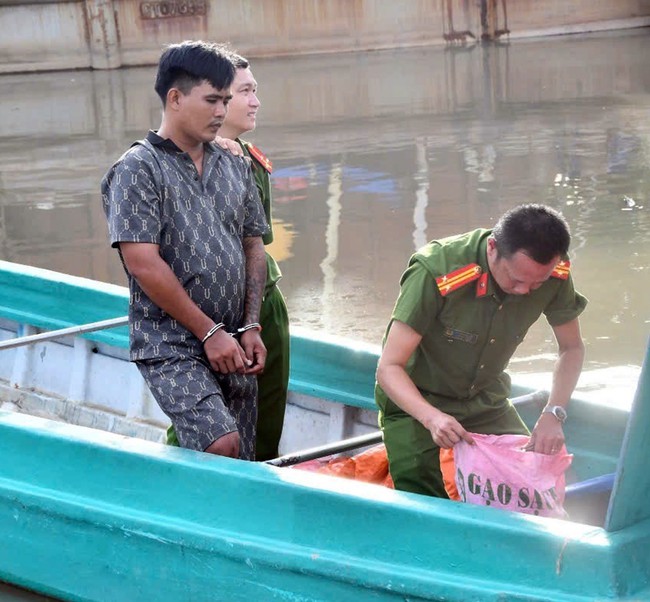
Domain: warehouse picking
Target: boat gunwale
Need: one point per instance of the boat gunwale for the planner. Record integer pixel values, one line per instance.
(466, 523)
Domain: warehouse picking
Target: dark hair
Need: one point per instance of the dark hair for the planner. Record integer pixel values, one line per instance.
(537, 230)
(239, 61)
(190, 63)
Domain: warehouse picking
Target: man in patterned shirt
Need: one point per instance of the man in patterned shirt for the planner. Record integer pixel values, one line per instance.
(273, 383)
(186, 218)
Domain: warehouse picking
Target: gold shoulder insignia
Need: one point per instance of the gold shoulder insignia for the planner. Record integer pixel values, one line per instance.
(262, 159)
(460, 277)
(562, 270)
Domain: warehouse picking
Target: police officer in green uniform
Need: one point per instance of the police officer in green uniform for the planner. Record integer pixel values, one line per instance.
(465, 304)
(273, 383)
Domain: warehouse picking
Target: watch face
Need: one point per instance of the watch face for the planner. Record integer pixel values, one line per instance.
(559, 412)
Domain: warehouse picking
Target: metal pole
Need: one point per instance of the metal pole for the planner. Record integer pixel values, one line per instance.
(326, 450)
(56, 334)
(535, 396)
(370, 439)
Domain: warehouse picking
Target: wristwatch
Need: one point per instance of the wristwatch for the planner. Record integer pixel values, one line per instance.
(558, 411)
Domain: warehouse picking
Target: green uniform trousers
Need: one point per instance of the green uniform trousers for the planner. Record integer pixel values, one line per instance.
(273, 384)
(414, 458)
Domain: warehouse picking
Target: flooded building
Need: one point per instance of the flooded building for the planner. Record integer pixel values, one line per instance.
(104, 34)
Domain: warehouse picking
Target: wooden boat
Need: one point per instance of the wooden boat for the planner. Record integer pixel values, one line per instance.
(88, 514)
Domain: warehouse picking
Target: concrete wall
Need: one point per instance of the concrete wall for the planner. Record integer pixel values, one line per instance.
(105, 34)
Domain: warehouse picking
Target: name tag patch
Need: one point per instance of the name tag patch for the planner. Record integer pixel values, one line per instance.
(459, 335)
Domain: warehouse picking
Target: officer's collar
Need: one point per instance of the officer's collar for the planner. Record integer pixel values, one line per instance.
(486, 285)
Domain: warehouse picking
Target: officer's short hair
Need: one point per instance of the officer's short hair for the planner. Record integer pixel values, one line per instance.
(239, 61)
(190, 63)
(539, 231)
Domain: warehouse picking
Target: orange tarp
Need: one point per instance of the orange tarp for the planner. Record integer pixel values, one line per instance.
(370, 466)
(448, 469)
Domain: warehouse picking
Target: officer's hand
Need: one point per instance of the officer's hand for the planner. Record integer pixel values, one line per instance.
(229, 145)
(225, 354)
(255, 351)
(446, 430)
(547, 436)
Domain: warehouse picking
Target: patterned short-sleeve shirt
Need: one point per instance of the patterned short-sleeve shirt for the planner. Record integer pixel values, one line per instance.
(154, 194)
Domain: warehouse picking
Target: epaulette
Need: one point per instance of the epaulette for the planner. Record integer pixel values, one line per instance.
(562, 270)
(263, 160)
(460, 277)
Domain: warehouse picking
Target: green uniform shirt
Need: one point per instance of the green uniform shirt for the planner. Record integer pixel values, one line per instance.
(263, 182)
(468, 340)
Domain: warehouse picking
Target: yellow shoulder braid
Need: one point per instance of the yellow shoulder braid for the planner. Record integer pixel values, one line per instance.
(562, 270)
(460, 277)
(262, 159)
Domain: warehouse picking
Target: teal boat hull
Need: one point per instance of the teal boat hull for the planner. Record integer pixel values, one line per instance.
(87, 515)
(92, 515)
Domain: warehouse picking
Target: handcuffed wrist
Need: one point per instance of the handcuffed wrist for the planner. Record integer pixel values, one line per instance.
(252, 326)
(210, 332)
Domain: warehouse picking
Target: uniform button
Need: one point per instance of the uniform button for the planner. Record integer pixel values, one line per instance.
(492, 341)
(500, 307)
(472, 387)
(481, 367)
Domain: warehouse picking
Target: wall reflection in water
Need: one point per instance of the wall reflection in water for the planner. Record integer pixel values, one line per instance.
(374, 154)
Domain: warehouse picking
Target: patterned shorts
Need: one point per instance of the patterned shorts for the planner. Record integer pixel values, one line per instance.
(202, 404)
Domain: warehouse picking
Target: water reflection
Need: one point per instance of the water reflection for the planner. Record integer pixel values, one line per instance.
(374, 154)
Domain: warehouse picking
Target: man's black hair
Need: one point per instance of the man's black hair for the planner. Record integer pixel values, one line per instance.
(190, 63)
(537, 230)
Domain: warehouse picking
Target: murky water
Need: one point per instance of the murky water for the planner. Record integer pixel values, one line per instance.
(374, 154)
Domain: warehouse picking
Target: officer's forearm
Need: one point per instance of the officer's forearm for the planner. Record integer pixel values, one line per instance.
(568, 366)
(399, 387)
(565, 376)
